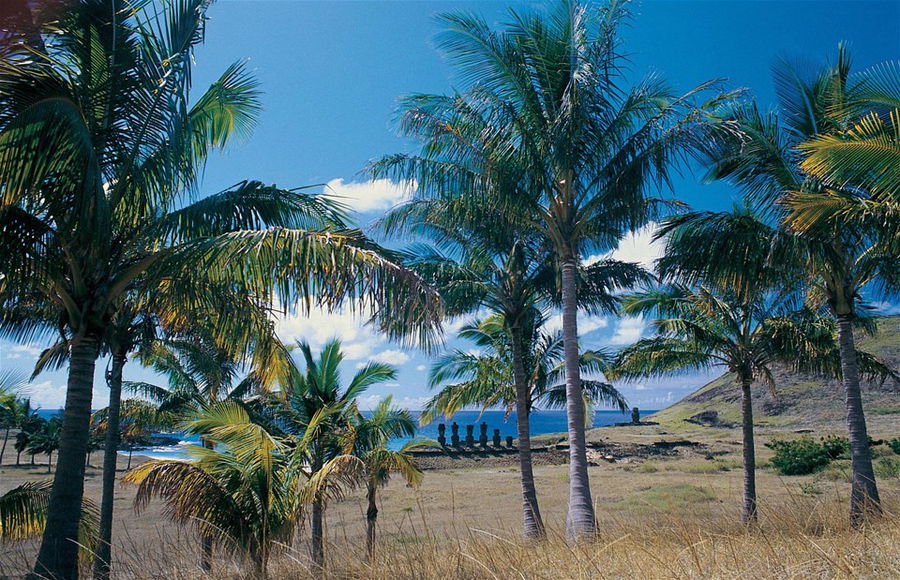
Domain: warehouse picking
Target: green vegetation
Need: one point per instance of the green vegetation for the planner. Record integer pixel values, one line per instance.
(800, 457)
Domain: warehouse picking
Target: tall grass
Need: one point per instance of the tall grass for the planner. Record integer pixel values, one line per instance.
(799, 536)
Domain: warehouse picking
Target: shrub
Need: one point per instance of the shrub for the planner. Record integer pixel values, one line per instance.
(887, 468)
(895, 445)
(835, 447)
(799, 457)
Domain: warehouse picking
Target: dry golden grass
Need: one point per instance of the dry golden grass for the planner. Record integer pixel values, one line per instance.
(677, 521)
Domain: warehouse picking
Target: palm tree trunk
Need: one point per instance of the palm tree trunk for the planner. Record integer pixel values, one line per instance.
(206, 541)
(864, 498)
(531, 515)
(58, 555)
(580, 523)
(49, 462)
(18, 457)
(317, 546)
(371, 519)
(3, 450)
(748, 513)
(103, 557)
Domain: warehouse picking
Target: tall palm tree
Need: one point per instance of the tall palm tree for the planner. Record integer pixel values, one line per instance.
(701, 328)
(486, 378)
(372, 434)
(12, 407)
(251, 491)
(99, 145)
(550, 91)
(846, 260)
(314, 397)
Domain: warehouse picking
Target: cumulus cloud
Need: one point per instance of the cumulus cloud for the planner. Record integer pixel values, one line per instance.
(47, 394)
(586, 324)
(369, 402)
(31, 350)
(628, 330)
(390, 357)
(377, 194)
(358, 341)
(637, 246)
(421, 368)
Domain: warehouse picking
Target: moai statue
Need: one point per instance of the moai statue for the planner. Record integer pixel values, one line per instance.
(482, 438)
(496, 439)
(635, 415)
(509, 441)
(454, 434)
(442, 434)
(470, 435)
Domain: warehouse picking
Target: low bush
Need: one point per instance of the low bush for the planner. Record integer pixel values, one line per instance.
(894, 444)
(887, 468)
(836, 447)
(798, 457)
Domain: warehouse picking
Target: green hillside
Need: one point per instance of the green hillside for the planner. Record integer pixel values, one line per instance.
(801, 401)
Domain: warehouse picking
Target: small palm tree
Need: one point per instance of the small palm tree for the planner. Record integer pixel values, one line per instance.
(12, 407)
(46, 440)
(315, 407)
(486, 379)
(23, 514)
(701, 328)
(250, 492)
(372, 435)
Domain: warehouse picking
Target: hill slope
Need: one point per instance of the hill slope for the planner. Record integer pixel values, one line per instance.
(802, 401)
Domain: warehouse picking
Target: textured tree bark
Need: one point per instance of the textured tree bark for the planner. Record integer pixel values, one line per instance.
(58, 555)
(531, 514)
(371, 519)
(749, 512)
(864, 500)
(3, 450)
(206, 541)
(580, 523)
(317, 545)
(103, 551)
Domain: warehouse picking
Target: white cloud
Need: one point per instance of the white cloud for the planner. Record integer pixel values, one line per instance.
(628, 330)
(47, 395)
(358, 341)
(378, 194)
(19, 350)
(390, 357)
(637, 246)
(586, 324)
(421, 368)
(369, 402)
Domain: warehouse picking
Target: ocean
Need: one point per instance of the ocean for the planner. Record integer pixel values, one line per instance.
(541, 422)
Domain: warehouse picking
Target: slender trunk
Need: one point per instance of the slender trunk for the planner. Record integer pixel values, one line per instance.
(580, 523)
(58, 555)
(103, 551)
(49, 462)
(317, 547)
(749, 512)
(18, 458)
(206, 541)
(371, 519)
(3, 450)
(32, 459)
(531, 515)
(864, 500)
(130, 452)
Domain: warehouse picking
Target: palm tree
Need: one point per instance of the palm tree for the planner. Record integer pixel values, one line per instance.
(371, 437)
(845, 259)
(496, 264)
(93, 204)
(12, 407)
(250, 492)
(550, 91)
(486, 378)
(316, 392)
(23, 513)
(46, 440)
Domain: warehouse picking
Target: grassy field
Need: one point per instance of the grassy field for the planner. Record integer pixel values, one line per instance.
(670, 514)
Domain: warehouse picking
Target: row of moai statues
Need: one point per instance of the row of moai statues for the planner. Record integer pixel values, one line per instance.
(470, 436)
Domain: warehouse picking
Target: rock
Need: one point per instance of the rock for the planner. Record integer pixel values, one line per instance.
(708, 419)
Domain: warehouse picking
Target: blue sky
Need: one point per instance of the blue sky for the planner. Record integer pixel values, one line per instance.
(332, 71)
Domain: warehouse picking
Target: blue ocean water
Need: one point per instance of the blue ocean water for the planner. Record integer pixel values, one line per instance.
(541, 422)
